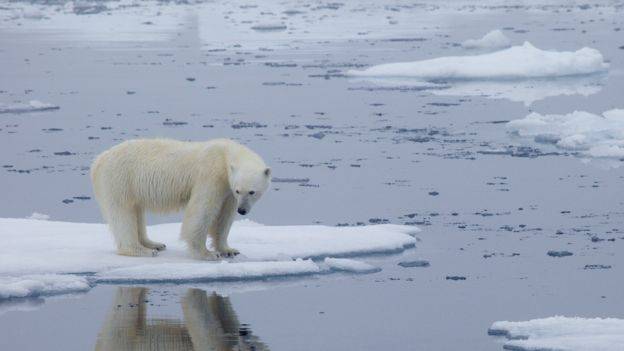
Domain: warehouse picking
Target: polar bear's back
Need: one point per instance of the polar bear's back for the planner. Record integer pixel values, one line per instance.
(156, 174)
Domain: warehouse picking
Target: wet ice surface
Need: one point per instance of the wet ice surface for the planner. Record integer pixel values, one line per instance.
(344, 151)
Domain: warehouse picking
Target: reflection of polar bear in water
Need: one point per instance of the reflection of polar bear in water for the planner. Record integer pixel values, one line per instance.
(211, 180)
(209, 323)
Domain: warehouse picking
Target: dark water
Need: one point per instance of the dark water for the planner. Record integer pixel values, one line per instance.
(350, 151)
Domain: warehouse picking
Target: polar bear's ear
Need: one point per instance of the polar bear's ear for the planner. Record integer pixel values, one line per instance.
(267, 172)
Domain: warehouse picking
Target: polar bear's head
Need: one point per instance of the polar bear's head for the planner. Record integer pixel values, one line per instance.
(248, 183)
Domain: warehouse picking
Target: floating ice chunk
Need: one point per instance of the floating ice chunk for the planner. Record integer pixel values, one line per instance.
(414, 263)
(31, 106)
(495, 39)
(562, 334)
(38, 247)
(590, 134)
(517, 62)
(207, 271)
(269, 27)
(41, 284)
(38, 216)
(349, 265)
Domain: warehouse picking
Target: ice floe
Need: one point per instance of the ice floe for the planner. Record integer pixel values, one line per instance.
(562, 334)
(587, 133)
(41, 284)
(35, 247)
(31, 106)
(201, 271)
(350, 265)
(495, 39)
(518, 62)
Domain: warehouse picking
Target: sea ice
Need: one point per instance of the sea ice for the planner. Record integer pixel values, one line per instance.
(202, 271)
(590, 134)
(41, 284)
(562, 334)
(495, 39)
(518, 62)
(31, 106)
(349, 265)
(53, 249)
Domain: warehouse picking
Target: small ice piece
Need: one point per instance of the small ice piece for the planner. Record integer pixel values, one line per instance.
(562, 334)
(349, 265)
(597, 266)
(415, 263)
(455, 277)
(31, 106)
(495, 39)
(39, 216)
(517, 62)
(563, 253)
(269, 27)
(587, 133)
(41, 284)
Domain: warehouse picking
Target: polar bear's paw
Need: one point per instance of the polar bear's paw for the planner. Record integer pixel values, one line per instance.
(228, 252)
(155, 245)
(137, 251)
(204, 255)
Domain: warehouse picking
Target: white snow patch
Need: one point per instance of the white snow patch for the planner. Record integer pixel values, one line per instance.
(590, 134)
(31, 106)
(517, 62)
(41, 284)
(349, 265)
(562, 334)
(50, 247)
(495, 39)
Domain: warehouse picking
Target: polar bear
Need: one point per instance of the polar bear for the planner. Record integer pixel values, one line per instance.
(210, 180)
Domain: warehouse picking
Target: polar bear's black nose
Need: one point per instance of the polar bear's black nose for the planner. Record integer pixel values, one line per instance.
(242, 211)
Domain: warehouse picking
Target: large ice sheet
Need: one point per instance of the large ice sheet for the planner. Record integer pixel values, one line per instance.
(518, 62)
(35, 247)
(562, 334)
(590, 134)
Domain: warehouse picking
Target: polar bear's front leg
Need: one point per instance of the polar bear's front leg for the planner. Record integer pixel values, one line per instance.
(222, 228)
(199, 216)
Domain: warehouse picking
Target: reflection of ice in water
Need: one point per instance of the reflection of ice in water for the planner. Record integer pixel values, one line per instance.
(525, 91)
(210, 323)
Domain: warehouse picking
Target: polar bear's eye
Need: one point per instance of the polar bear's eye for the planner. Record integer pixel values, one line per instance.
(252, 192)
(238, 192)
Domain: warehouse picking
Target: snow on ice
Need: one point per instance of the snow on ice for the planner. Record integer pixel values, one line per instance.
(518, 62)
(35, 248)
(495, 39)
(41, 284)
(562, 334)
(590, 134)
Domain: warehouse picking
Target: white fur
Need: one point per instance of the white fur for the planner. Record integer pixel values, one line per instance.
(163, 175)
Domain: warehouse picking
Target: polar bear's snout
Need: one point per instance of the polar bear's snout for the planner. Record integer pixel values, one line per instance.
(242, 211)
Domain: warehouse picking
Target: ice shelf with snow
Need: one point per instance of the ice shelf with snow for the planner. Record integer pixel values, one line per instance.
(41, 257)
